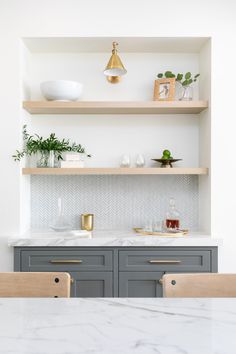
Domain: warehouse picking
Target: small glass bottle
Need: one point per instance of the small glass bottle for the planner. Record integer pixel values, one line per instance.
(172, 216)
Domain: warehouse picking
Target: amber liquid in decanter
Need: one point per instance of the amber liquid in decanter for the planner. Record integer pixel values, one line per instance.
(172, 223)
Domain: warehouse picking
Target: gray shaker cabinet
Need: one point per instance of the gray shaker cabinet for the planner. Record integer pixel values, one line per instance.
(141, 284)
(92, 284)
(116, 271)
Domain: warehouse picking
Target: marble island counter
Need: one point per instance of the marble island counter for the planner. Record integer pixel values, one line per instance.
(110, 238)
(127, 326)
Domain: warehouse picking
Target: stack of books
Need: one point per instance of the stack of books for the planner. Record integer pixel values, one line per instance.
(73, 161)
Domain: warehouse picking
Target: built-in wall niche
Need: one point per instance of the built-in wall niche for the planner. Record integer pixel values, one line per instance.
(108, 136)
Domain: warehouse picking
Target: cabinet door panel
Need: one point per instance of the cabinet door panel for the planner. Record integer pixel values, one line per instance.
(142, 284)
(91, 284)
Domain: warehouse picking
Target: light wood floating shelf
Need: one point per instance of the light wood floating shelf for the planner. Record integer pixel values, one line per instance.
(116, 171)
(115, 107)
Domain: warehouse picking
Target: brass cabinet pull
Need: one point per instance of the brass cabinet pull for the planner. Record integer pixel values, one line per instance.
(164, 261)
(65, 261)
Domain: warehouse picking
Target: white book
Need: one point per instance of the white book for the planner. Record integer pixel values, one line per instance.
(74, 157)
(72, 164)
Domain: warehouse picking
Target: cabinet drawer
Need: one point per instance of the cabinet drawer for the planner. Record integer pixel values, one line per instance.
(66, 260)
(180, 260)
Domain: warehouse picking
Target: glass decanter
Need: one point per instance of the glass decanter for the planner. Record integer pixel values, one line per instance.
(172, 216)
(60, 223)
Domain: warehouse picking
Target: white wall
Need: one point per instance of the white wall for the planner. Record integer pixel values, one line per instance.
(108, 137)
(88, 68)
(131, 18)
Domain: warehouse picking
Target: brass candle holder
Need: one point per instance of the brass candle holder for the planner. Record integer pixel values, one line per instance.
(87, 222)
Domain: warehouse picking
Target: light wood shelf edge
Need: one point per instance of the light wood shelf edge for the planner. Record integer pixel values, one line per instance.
(116, 171)
(115, 107)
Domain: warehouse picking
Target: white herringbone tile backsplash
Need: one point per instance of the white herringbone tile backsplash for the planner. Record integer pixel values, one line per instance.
(118, 202)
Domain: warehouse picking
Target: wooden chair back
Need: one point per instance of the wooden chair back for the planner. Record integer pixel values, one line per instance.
(27, 284)
(199, 285)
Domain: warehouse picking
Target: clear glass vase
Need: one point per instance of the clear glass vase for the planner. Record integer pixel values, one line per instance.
(140, 161)
(186, 93)
(125, 161)
(46, 159)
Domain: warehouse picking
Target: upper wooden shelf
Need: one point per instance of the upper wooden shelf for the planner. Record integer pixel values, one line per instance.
(116, 171)
(115, 107)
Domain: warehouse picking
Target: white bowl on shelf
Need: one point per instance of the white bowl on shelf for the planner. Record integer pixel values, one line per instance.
(61, 90)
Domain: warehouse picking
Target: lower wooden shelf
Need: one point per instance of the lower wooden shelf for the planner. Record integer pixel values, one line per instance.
(116, 171)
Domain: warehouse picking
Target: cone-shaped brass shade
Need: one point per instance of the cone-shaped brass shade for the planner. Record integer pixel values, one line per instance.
(115, 66)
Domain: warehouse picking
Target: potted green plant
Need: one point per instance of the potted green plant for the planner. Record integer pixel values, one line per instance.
(50, 150)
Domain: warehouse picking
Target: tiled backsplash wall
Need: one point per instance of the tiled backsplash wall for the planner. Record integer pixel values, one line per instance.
(118, 202)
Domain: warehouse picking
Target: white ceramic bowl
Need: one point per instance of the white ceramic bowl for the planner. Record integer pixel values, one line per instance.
(61, 90)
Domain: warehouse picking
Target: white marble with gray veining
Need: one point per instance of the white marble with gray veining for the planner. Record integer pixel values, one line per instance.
(109, 239)
(112, 326)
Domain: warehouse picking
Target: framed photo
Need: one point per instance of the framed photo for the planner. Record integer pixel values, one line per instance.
(164, 89)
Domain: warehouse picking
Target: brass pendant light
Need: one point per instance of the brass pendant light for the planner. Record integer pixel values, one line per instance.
(114, 69)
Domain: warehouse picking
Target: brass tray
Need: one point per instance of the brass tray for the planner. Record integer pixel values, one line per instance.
(180, 233)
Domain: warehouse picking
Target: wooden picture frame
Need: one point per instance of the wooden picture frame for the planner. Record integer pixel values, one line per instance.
(164, 89)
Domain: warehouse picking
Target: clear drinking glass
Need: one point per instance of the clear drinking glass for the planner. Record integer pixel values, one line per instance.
(157, 226)
(148, 226)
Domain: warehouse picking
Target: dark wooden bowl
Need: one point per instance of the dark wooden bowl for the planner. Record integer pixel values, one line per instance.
(166, 163)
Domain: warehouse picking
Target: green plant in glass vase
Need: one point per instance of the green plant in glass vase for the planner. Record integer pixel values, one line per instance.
(186, 82)
(50, 149)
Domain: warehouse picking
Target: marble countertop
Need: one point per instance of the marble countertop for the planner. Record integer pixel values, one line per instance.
(127, 326)
(107, 238)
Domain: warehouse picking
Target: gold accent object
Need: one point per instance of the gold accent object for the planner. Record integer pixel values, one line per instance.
(164, 261)
(63, 261)
(115, 68)
(114, 79)
(87, 222)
